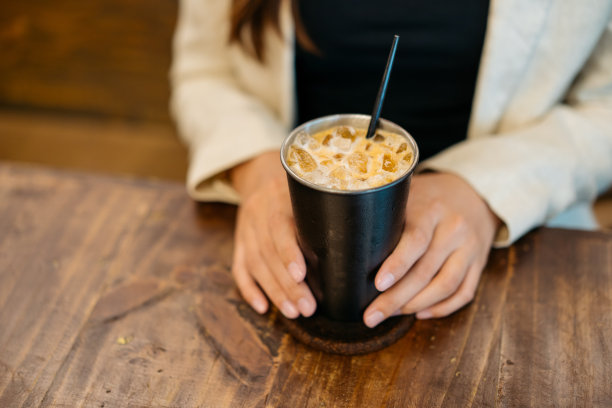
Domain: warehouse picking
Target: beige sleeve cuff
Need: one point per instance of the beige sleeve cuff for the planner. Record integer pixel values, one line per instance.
(218, 145)
(207, 177)
(531, 176)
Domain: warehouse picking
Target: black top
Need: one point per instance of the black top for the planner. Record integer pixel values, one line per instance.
(432, 84)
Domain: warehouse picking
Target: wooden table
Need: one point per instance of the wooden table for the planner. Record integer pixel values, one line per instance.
(117, 292)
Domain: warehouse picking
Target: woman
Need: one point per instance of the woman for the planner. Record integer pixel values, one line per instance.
(511, 101)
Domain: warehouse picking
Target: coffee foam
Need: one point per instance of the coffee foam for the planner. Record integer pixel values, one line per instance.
(342, 158)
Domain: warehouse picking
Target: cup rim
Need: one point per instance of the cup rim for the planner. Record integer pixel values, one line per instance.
(383, 123)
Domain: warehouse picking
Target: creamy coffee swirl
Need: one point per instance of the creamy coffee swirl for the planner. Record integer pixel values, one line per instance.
(342, 158)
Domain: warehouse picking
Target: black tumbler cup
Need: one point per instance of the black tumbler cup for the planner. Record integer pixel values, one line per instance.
(346, 235)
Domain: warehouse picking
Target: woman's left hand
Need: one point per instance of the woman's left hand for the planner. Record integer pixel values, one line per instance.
(436, 266)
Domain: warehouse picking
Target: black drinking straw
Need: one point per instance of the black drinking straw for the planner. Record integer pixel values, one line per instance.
(382, 91)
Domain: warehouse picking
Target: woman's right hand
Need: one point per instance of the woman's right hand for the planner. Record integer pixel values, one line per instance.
(266, 253)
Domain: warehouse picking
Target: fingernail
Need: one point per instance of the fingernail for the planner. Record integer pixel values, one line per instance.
(306, 307)
(295, 272)
(385, 281)
(373, 318)
(425, 314)
(289, 310)
(259, 306)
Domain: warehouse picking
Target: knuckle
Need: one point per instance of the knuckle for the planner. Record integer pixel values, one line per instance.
(288, 244)
(437, 208)
(466, 296)
(397, 265)
(288, 285)
(420, 237)
(267, 247)
(290, 252)
(472, 242)
(276, 294)
(296, 293)
(394, 309)
(277, 300)
(406, 309)
(283, 231)
(423, 274)
(458, 224)
(448, 286)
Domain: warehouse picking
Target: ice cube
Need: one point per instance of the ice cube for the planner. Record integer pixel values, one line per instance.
(318, 177)
(339, 177)
(303, 138)
(302, 158)
(340, 173)
(313, 145)
(346, 132)
(327, 139)
(376, 181)
(358, 161)
(341, 143)
(389, 163)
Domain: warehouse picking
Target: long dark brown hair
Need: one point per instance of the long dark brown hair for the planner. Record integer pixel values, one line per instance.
(255, 16)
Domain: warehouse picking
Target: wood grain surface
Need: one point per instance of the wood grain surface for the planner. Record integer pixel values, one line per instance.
(116, 292)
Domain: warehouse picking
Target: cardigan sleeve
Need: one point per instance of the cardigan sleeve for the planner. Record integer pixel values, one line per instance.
(530, 175)
(222, 124)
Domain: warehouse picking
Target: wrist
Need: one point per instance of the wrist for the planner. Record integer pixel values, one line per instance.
(471, 199)
(249, 176)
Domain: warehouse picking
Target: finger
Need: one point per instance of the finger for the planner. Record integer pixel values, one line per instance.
(445, 283)
(246, 285)
(269, 274)
(285, 242)
(442, 245)
(298, 293)
(413, 243)
(268, 283)
(284, 232)
(463, 296)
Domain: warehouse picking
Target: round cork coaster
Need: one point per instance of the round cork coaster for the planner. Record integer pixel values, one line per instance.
(347, 338)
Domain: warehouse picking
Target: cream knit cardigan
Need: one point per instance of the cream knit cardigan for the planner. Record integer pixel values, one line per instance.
(539, 145)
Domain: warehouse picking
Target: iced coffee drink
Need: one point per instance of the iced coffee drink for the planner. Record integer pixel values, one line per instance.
(348, 196)
(342, 158)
